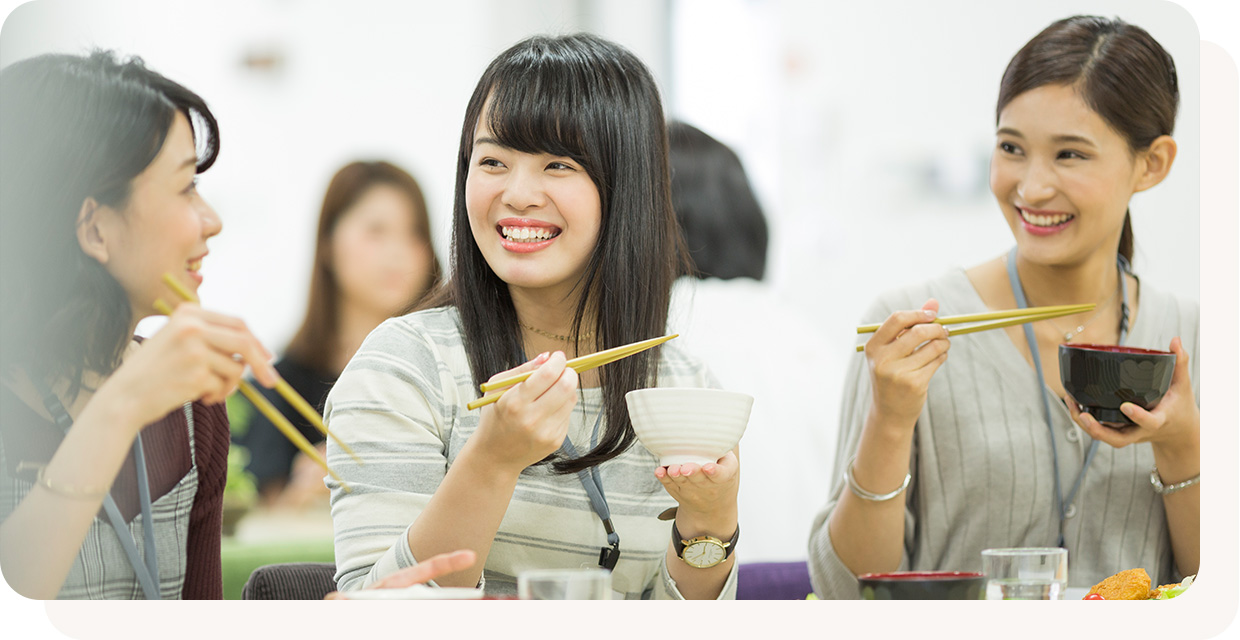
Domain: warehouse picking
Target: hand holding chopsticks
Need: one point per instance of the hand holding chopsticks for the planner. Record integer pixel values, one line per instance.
(580, 364)
(283, 388)
(1000, 319)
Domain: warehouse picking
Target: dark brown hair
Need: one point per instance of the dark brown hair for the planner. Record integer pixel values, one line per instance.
(75, 127)
(1118, 69)
(591, 100)
(315, 342)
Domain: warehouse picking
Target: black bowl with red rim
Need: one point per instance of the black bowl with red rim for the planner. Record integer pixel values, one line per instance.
(1102, 377)
(923, 585)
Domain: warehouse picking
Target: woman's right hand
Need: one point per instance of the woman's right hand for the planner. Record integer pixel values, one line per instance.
(199, 354)
(531, 420)
(903, 355)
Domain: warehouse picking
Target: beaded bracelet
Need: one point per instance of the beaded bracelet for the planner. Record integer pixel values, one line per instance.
(866, 495)
(1166, 490)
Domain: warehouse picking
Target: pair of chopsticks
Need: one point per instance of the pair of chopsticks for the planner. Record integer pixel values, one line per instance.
(266, 408)
(1001, 319)
(581, 364)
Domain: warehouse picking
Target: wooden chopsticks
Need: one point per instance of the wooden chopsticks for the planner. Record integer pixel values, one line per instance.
(1001, 319)
(266, 408)
(580, 364)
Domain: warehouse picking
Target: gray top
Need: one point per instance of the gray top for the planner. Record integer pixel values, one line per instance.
(981, 458)
(401, 405)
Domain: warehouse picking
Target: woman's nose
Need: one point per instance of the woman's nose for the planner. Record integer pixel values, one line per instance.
(211, 222)
(524, 190)
(1037, 183)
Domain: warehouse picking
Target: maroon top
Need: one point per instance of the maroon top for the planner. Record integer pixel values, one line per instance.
(29, 437)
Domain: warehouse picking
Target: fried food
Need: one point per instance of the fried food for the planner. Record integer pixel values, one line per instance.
(1133, 584)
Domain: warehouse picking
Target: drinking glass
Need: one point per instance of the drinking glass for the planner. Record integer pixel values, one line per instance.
(1025, 574)
(564, 584)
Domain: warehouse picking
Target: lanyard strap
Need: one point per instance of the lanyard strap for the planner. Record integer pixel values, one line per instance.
(608, 556)
(145, 567)
(1062, 502)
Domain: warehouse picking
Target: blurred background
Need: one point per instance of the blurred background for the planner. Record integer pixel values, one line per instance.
(865, 128)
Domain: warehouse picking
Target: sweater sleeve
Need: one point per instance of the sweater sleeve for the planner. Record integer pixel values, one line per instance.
(203, 577)
(388, 405)
(830, 577)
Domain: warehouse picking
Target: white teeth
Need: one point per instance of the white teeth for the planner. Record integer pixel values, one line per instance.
(528, 234)
(195, 265)
(1045, 221)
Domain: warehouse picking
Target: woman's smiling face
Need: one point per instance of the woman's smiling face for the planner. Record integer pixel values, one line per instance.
(534, 216)
(1062, 176)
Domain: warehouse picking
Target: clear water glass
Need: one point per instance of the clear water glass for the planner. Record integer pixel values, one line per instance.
(1026, 573)
(564, 584)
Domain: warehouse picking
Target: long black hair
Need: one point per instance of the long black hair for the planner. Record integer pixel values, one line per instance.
(1118, 69)
(591, 100)
(75, 127)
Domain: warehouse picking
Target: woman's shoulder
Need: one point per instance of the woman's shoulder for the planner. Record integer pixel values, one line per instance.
(440, 327)
(678, 367)
(952, 289)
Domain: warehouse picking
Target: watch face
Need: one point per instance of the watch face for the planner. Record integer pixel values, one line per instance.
(703, 554)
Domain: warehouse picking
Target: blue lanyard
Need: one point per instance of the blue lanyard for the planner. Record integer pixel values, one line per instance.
(608, 556)
(145, 567)
(1062, 502)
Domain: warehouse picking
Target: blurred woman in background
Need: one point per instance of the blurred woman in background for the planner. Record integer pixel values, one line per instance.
(373, 260)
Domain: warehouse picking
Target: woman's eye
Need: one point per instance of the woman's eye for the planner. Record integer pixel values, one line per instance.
(1070, 155)
(491, 162)
(1008, 147)
(561, 166)
(193, 187)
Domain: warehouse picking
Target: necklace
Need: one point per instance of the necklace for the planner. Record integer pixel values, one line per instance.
(555, 336)
(1069, 335)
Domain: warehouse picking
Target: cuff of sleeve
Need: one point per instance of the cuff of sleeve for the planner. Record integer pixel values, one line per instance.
(728, 592)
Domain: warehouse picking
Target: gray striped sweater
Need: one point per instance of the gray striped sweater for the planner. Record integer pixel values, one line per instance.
(400, 404)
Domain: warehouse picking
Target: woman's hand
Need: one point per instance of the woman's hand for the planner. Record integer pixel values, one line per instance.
(1174, 424)
(420, 573)
(903, 355)
(531, 420)
(199, 354)
(705, 493)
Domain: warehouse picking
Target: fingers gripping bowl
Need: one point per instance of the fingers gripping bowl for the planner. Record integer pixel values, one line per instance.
(1102, 377)
(683, 426)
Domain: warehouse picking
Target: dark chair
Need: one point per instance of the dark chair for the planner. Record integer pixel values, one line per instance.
(773, 581)
(291, 581)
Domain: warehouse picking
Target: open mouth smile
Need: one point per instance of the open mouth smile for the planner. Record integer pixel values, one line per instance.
(526, 235)
(1044, 223)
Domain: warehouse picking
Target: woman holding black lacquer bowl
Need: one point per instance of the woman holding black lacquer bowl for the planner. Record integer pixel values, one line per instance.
(941, 457)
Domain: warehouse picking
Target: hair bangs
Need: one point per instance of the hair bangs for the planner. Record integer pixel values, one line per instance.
(541, 116)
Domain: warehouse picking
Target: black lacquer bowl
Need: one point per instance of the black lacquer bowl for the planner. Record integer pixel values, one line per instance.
(923, 585)
(1102, 377)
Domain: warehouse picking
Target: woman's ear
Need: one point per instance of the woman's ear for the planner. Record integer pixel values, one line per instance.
(91, 233)
(1156, 162)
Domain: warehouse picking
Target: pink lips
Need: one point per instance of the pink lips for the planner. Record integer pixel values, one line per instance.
(1043, 231)
(524, 247)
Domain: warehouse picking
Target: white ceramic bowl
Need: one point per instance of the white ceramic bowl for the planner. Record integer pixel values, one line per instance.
(688, 425)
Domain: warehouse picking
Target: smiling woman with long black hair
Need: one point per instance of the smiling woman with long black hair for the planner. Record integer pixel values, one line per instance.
(564, 243)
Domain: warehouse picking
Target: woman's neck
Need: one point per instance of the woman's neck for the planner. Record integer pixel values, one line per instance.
(547, 323)
(1093, 280)
(355, 322)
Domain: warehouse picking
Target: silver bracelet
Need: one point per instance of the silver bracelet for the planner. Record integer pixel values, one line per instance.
(866, 495)
(1166, 490)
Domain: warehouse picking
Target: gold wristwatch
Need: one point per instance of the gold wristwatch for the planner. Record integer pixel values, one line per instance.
(703, 552)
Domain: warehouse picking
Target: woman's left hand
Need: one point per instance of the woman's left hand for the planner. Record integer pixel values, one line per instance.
(421, 573)
(1174, 422)
(706, 490)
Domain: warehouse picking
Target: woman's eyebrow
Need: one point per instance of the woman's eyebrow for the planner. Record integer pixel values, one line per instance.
(481, 141)
(1009, 131)
(1073, 139)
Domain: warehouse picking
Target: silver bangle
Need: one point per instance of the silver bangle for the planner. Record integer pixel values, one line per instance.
(1166, 490)
(866, 495)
